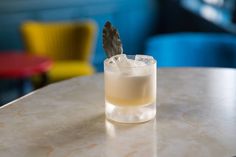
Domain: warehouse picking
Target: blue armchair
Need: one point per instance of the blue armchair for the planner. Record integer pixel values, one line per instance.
(193, 49)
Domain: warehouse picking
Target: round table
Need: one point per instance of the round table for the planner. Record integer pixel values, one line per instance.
(196, 116)
(20, 65)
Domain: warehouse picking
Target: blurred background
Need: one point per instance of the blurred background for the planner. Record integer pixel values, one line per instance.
(67, 34)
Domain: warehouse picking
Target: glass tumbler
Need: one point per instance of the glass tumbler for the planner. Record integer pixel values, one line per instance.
(130, 89)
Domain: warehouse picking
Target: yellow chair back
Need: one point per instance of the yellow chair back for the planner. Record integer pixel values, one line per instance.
(60, 41)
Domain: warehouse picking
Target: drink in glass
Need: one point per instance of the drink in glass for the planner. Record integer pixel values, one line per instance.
(130, 88)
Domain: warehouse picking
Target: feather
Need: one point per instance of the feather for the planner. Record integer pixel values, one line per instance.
(111, 40)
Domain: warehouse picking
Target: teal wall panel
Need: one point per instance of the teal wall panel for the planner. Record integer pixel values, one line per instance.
(135, 20)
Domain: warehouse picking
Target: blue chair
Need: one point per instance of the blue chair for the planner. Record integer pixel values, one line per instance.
(193, 49)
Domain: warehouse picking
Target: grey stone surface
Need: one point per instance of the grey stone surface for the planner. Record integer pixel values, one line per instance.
(196, 116)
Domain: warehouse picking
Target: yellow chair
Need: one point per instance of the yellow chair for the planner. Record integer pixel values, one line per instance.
(69, 45)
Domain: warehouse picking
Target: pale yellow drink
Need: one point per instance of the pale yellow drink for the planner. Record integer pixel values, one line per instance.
(130, 89)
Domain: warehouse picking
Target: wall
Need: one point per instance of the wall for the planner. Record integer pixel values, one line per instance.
(135, 19)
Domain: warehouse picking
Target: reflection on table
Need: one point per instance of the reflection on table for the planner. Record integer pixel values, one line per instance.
(120, 140)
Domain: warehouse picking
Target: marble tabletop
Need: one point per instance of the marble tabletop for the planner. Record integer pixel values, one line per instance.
(196, 117)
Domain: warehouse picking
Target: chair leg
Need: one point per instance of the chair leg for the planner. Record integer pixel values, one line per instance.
(22, 83)
(44, 79)
(25, 86)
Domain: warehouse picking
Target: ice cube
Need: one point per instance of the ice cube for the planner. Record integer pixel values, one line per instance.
(137, 68)
(121, 62)
(118, 61)
(145, 59)
(137, 63)
(127, 66)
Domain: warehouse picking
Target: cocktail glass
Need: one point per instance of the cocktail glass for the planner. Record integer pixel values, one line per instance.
(130, 88)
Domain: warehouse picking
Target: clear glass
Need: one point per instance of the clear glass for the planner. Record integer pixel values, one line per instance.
(130, 90)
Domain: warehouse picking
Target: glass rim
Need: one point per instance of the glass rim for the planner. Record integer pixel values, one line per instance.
(106, 64)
